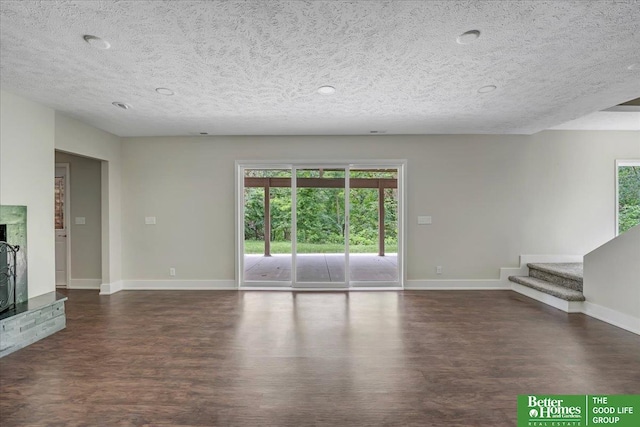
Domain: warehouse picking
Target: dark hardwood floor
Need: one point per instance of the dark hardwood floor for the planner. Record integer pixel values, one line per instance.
(435, 358)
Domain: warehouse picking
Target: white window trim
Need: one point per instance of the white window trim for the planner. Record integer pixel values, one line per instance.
(619, 163)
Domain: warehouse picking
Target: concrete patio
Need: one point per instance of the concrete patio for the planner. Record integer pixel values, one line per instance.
(322, 268)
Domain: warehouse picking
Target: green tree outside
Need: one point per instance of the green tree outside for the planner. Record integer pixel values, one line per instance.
(321, 221)
(628, 197)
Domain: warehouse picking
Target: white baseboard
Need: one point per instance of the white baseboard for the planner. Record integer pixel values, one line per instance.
(179, 285)
(290, 289)
(84, 284)
(560, 304)
(612, 317)
(110, 288)
(621, 320)
(457, 285)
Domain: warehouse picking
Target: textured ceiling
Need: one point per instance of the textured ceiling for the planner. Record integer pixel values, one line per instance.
(604, 120)
(253, 67)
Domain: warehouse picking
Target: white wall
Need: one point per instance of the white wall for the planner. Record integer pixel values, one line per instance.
(73, 136)
(612, 280)
(492, 197)
(26, 178)
(85, 196)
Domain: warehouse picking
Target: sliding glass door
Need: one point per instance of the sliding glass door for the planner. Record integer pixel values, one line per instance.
(320, 225)
(267, 248)
(373, 226)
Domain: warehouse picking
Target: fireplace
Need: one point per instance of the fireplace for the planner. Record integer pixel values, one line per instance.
(8, 265)
(13, 231)
(23, 320)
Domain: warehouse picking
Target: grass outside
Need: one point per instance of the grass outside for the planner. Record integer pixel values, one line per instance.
(257, 247)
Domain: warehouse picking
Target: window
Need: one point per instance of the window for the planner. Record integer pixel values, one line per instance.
(627, 194)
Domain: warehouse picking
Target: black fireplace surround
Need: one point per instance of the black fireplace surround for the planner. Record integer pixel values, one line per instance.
(7, 271)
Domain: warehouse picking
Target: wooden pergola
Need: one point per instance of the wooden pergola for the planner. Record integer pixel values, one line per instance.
(268, 183)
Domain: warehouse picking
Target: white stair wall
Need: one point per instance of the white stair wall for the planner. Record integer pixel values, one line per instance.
(596, 283)
(612, 281)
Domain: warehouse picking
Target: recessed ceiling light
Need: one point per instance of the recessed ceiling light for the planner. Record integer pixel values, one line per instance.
(468, 37)
(326, 90)
(486, 89)
(121, 105)
(96, 42)
(164, 91)
(634, 67)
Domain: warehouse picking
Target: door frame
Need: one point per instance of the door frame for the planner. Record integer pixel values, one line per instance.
(241, 165)
(67, 216)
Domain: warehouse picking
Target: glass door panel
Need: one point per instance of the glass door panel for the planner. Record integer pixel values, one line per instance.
(321, 227)
(267, 227)
(373, 226)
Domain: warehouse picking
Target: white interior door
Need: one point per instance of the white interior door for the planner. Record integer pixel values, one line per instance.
(61, 224)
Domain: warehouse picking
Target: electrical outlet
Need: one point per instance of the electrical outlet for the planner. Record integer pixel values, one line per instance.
(439, 269)
(172, 271)
(424, 220)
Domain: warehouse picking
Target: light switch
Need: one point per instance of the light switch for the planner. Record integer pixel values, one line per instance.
(150, 220)
(80, 220)
(423, 220)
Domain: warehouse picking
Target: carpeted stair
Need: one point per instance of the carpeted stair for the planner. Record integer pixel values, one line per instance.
(562, 280)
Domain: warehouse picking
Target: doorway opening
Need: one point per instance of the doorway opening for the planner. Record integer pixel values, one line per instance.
(320, 226)
(78, 221)
(61, 194)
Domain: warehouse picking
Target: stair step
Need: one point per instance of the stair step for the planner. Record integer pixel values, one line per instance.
(568, 275)
(557, 291)
(568, 270)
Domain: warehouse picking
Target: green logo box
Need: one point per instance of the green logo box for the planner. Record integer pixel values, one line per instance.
(620, 410)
